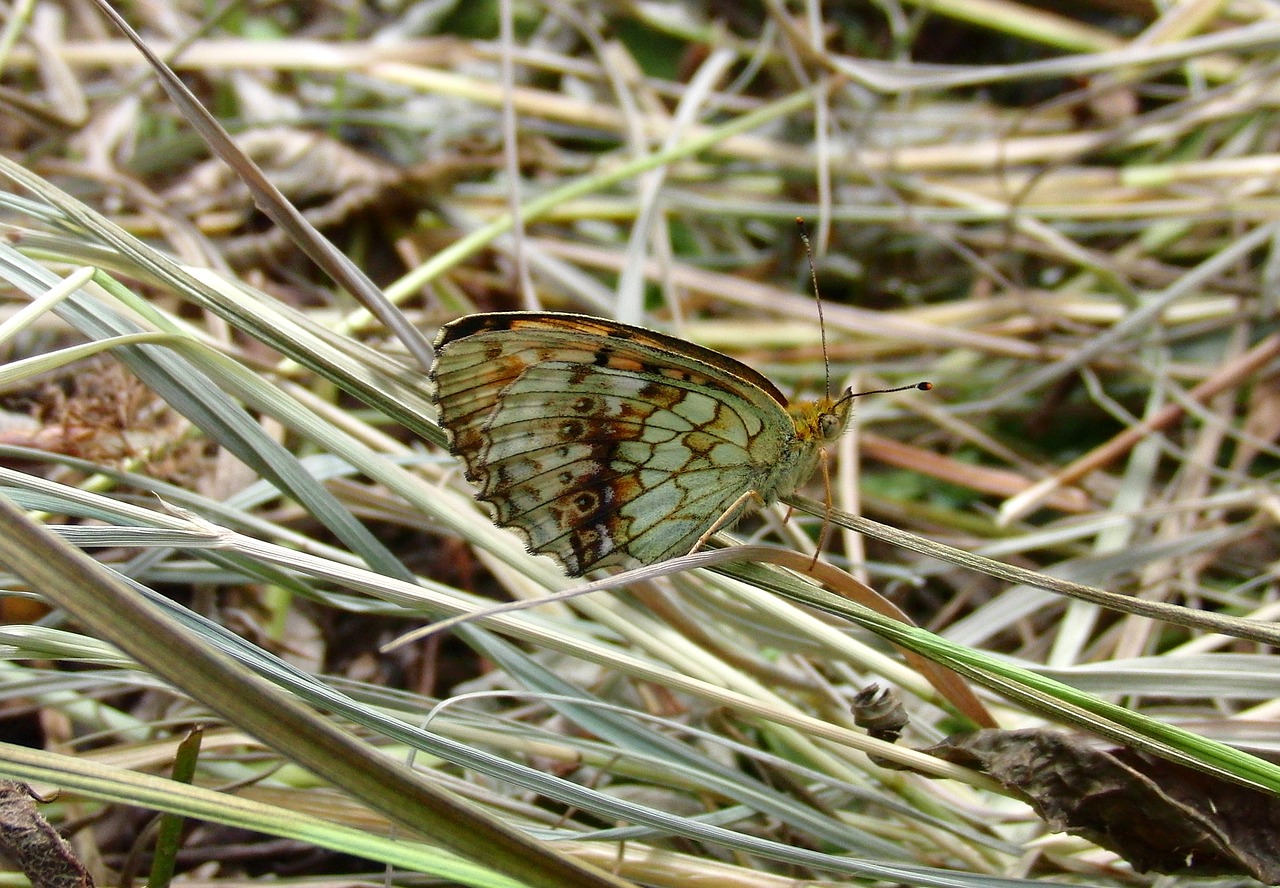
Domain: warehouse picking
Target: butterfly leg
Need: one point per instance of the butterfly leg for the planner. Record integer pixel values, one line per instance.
(727, 517)
(826, 518)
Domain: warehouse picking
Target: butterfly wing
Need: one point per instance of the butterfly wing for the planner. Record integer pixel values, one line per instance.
(604, 444)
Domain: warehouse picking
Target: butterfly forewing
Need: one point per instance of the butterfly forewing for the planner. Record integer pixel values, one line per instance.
(605, 444)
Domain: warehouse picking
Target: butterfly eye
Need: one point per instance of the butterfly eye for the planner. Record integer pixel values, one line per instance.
(830, 426)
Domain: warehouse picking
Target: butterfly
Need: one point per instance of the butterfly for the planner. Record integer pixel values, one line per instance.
(604, 444)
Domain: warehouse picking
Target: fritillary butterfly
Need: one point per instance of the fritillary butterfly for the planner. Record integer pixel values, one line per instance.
(604, 444)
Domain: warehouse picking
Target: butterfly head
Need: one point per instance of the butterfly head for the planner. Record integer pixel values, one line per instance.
(834, 416)
(825, 419)
(822, 420)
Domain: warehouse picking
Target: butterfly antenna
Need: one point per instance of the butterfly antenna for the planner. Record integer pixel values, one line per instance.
(822, 324)
(918, 386)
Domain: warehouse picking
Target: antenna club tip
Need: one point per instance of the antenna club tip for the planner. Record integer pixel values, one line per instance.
(924, 386)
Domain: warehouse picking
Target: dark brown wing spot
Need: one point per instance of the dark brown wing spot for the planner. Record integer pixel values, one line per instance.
(660, 395)
(572, 429)
(588, 547)
(585, 404)
(466, 443)
(699, 442)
